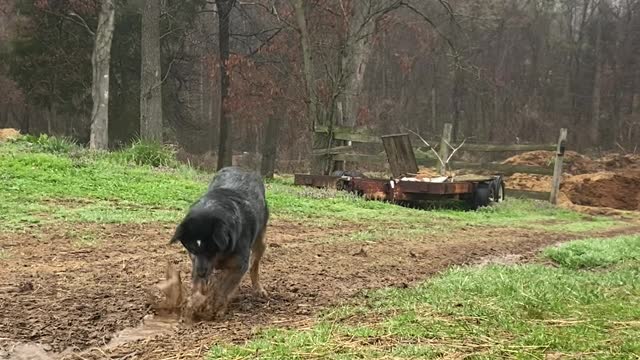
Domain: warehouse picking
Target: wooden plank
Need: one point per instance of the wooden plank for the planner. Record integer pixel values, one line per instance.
(423, 160)
(366, 136)
(333, 150)
(472, 177)
(355, 137)
(400, 154)
(501, 168)
(527, 194)
(350, 134)
(444, 148)
(382, 158)
(557, 168)
(500, 148)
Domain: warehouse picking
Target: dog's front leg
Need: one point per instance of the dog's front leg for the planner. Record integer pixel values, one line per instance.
(228, 282)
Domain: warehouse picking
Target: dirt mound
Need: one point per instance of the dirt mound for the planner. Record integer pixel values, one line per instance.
(613, 162)
(610, 182)
(607, 189)
(574, 163)
(9, 134)
(528, 182)
(611, 190)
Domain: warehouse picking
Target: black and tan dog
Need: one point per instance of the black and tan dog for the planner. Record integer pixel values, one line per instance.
(221, 231)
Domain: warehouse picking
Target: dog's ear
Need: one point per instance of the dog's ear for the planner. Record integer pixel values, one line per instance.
(221, 235)
(177, 236)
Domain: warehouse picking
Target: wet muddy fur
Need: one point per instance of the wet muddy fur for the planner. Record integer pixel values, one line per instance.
(222, 231)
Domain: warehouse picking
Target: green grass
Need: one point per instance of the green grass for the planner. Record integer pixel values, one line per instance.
(47, 180)
(488, 312)
(595, 253)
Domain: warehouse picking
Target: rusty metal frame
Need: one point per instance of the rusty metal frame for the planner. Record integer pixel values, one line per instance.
(392, 190)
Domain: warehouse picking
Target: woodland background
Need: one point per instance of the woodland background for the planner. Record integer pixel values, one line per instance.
(509, 71)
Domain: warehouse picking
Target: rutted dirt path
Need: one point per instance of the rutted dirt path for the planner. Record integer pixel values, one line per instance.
(71, 291)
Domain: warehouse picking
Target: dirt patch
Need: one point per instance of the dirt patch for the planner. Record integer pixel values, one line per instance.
(76, 298)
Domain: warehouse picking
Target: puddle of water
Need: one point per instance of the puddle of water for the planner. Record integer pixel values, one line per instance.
(26, 352)
(151, 326)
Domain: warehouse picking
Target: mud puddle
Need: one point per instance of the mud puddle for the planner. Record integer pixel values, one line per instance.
(22, 351)
(150, 327)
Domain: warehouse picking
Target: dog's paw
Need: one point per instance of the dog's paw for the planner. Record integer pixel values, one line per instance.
(198, 301)
(261, 292)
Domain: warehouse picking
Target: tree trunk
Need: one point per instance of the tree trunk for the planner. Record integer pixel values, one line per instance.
(224, 21)
(320, 140)
(151, 80)
(434, 99)
(456, 97)
(355, 57)
(100, 58)
(597, 80)
(270, 146)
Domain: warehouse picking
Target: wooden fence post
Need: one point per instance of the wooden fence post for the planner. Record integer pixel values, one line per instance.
(444, 148)
(557, 167)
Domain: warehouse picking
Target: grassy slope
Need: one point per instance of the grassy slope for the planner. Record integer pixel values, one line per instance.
(53, 182)
(495, 311)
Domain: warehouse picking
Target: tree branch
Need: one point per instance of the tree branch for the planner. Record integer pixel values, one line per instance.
(430, 22)
(444, 164)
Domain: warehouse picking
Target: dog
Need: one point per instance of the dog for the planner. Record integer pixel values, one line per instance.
(222, 231)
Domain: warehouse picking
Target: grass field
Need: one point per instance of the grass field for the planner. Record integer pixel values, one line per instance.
(586, 306)
(83, 234)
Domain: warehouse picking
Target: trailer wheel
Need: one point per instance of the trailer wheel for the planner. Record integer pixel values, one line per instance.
(481, 196)
(497, 191)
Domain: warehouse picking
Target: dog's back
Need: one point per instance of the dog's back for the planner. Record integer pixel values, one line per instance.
(247, 185)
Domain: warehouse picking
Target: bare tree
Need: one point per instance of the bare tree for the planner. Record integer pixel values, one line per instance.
(319, 140)
(150, 78)
(224, 21)
(361, 21)
(100, 59)
(270, 146)
(597, 80)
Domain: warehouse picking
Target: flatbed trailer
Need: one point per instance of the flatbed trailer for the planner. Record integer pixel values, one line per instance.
(405, 185)
(478, 191)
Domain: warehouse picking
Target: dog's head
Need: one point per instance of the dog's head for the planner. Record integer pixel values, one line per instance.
(204, 234)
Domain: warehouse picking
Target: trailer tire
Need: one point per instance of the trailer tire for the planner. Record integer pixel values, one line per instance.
(497, 190)
(481, 196)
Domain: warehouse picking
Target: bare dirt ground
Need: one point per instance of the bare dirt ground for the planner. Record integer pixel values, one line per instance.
(73, 297)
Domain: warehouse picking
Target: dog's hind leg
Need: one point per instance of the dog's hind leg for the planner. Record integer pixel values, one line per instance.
(258, 250)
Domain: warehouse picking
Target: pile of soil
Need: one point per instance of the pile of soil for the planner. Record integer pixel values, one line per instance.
(612, 181)
(9, 134)
(612, 162)
(528, 182)
(573, 163)
(618, 190)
